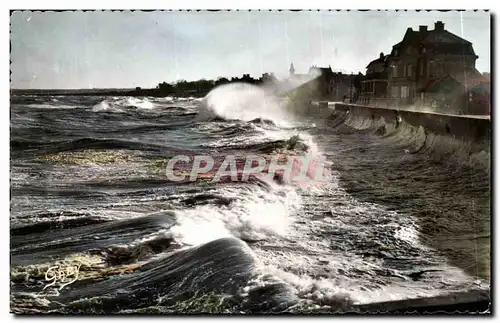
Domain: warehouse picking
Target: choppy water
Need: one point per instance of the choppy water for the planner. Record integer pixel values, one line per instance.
(404, 214)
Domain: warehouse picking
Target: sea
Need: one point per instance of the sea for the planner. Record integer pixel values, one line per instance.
(96, 227)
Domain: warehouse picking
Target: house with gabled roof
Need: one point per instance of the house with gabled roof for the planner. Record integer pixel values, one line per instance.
(423, 56)
(374, 84)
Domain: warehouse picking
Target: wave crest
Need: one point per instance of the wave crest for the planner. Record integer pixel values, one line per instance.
(120, 105)
(241, 101)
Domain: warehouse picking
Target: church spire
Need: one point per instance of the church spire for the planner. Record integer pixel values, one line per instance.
(292, 69)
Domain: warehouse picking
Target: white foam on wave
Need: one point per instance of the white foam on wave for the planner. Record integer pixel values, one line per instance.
(246, 102)
(140, 103)
(335, 286)
(324, 272)
(119, 105)
(105, 106)
(260, 137)
(254, 214)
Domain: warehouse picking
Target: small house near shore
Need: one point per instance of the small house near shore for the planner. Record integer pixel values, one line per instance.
(374, 84)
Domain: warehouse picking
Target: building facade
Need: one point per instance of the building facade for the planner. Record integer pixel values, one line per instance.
(324, 78)
(336, 86)
(424, 58)
(374, 84)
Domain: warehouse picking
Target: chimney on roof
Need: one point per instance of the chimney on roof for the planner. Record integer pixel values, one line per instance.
(382, 55)
(409, 29)
(422, 28)
(439, 25)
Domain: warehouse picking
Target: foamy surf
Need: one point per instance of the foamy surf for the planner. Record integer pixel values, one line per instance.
(255, 247)
(251, 213)
(122, 104)
(246, 102)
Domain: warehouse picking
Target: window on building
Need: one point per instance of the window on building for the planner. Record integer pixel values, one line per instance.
(395, 70)
(421, 68)
(405, 92)
(410, 72)
(405, 73)
(394, 91)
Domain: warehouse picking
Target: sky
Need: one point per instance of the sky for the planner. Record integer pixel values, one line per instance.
(126, 49)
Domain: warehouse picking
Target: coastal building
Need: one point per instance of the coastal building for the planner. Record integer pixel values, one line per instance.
(347, 87)
(336, 86)
(321, 84)
(324, 78)
(374, 84)
(428, 68)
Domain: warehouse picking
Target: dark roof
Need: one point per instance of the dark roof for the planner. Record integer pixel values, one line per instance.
(446, 48)
(442, 41)
(322, 70)
(378, 60)
(443, 36)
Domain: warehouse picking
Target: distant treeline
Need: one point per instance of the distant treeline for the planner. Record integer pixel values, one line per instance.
(202, 87)
(180, 88)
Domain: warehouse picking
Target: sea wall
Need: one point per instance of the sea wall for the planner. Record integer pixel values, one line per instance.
(469, 128)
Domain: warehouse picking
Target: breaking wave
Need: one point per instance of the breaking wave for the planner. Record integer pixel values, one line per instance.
(246, 102)
(121, 104)
(230, 247)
